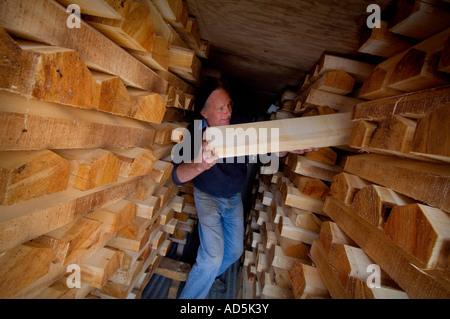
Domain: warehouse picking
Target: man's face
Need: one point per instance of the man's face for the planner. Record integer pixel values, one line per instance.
(217, 110)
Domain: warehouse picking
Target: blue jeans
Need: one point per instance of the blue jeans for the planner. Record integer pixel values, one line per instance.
(221, 232)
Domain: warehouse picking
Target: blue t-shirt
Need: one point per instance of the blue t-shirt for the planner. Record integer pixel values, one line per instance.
(224, 179)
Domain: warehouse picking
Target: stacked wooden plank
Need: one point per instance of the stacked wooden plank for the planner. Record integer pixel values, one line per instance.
(415, 55)
(85, 180)
(389, 208)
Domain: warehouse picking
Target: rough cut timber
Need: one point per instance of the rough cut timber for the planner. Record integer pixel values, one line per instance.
(134, 161)
(395, 133)
(414, 105)
(184, 63)
(31, 259)
(30, 219)
(306, 281)
(20, 18)
(97, 8)
(330, 234)
(358, 70)
(374, 204)
(422, 181)
(135, 29)
(98, 268)
(29, 124)
(432, 135)
(71, 240)
(31, 67)
(417, 70)
(146, 106)
(30, 174)
(420, 19)
(422, 231)
(157, 57)
(382, 42)
(338, 102)
(296, 133)
(91, 168)
(115, 216)
(407, 272)
(345, 186)
(335, 81)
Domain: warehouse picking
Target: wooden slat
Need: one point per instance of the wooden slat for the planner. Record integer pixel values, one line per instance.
(297, 133)
(422, 181)
(35, 217)
(406, 272)
(28, 124)
(21, 18)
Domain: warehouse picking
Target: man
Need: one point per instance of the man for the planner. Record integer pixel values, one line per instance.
(217, 197)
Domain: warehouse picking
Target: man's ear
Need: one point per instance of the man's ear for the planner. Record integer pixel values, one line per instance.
(203, 113)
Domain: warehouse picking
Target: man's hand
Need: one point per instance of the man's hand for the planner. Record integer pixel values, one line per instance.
(205, 158)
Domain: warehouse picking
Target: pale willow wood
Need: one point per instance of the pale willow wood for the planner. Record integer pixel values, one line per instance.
(293, 134)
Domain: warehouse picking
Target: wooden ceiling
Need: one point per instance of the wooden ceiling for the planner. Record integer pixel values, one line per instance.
(269, 45)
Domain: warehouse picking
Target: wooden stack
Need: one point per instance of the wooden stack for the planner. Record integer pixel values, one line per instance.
(84, 154)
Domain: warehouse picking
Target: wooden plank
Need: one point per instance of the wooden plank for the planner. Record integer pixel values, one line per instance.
(408, 273)
(147, 106)
(374, 204)
(134, 161)
(306, 281)
(157, 58)
(31, 259)
(304, 166)
(422, 231)
(358, 70)
(414, 105)
(173, 269)
(422, 181)
(296, 133)
(384, 43)
(21, 17)
(420, 19)
(417, 70)
(431, 137)
(135, 29)
(340, 103)
(184, 63)
(33, 66)
(115, 216)
(345, 186)
(335, 81)
(71, 240)
(98, 268)
(91, 168)
(30, 174)
(28, 124)
(293, 197)
(27, 220)
(330, 234)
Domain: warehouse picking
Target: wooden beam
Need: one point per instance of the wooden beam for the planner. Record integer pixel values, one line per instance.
(417, 70)
(340, 103)
(407, 272)
(358, 70)
(422, 181)
(422, 231)
(134, 161)
(30, 174)
(97, 8)
(384, 43)
(431, 137)
(91, 168)
(330, 234)
(296, 133)
(173, 269)
(414, 105)
(374, 203)
(21, 17)
(306, 280)
(115, 216)
(135, 29)
(28, 124)
(31, 259)
(345, 186)
(98, 268)
(27, 220)
(420, 19)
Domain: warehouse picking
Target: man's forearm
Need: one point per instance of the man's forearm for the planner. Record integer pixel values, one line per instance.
(188, 171)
